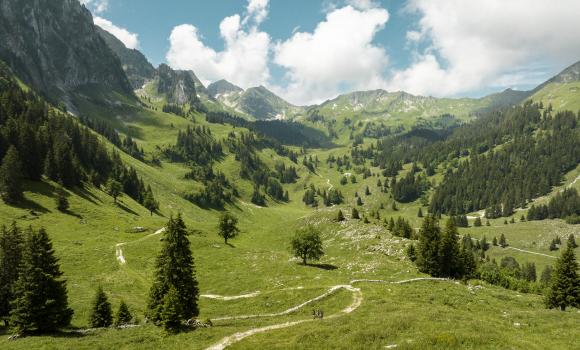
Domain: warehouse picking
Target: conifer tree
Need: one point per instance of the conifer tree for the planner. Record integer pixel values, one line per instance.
(565, 285)
(428, 246)
(40, 303)
(546, 276)
(174, 269)
(494, 241)
(420, 213)
(449, 260)
(101, 313)
(11, 177)
(355, 214)
(149, 201)
(62, 202)
(502, 241)
(171, 314)
(359, 201)
(227, 226)
(11, 249)
(477, 222)
(411, 252)
(123, 316)
(391, 224)
(114, 189)
(468, 262)
(572, 241)
(340, 216)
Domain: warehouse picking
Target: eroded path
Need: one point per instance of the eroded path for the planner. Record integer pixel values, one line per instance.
(357, 299)
(119, 246)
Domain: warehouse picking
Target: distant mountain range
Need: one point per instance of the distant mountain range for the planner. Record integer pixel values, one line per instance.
(59, 51)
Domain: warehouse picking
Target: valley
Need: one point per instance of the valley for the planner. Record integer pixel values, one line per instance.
(365, 171)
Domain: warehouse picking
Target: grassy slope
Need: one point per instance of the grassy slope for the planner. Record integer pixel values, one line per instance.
(260, 261)
(561, 96)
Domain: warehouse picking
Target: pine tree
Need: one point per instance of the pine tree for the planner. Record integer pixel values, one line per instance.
(174, 268)
(449, 260)
(477, 222)
(565, 285)
(420, 213)
(101, 313)
(227, 226)
(62, 202)
(123, 316)
(394, 206)
(546, 276)
(494, 241)
(355, 214)
(502, 241)
(391, 224)
(41, 298)
(149, 201)
(340, 216)
(11, 177)
(428, 246)
(468, 262)
(411, 252)
(572, 241)
(359, 201)
(11, 249)
(171, 314)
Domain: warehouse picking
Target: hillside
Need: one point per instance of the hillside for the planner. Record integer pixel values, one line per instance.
(389, 182)
(562, 91)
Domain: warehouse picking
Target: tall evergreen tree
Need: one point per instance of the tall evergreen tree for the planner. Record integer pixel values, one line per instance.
(41, 303)
(101, 313)
(340, 216)
(355, 214)
(449, 259)
(428, 246)
(572, 241)
(565, 285)
(149, 201)
(171, 314)
(11, 246)
(502, 241)
(174, 269)
(11, 177)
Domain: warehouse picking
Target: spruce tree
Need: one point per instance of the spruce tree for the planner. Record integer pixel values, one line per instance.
(101, 313)
(149, 201)
(11, 177)
(420, 213)
(468, 262)
(340, 216)
(565, 285)
(494, 241)
(171, 314)
(355, 214)
(123, 316)
(572, 241)
(174, 269)
(114, 189)
(11, 249)
(428, 246)
(40, 303)
(477, 222)
(502, 241)
(449, 260)
(62, 203)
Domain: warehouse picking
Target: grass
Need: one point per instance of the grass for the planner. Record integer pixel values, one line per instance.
(416, 316)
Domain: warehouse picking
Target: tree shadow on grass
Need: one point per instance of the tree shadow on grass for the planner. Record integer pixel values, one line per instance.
(86, 195)
(32, 207)
(127, 209)
(230, 245)
(323, 266)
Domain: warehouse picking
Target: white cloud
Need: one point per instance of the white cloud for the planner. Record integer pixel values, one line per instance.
(477, 44)
(338, 56)
(244, 60)
(131, 40)
(363, 4)
(97, 6)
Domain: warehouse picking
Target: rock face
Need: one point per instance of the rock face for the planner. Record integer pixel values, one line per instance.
(178, 86)
(53, 46)
(135, 65)
(222, 87)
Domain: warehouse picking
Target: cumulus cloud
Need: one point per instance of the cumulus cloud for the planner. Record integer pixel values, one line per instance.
(97, 6)
(339, 55)
(131, 40)
(244, 60)
(477, 44)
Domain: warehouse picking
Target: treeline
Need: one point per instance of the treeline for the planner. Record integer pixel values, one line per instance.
(285, 132)
(196, 145)
(524, 168)
(127, 144)
(409, 188)
(564, 205)
(312, 195)
(37, 140)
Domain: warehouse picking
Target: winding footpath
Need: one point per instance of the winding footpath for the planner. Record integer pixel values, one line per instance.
(119, 246)
(530, 252)
(356, 302)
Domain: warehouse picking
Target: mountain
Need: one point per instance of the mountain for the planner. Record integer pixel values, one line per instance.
(258, 102)
(222, 87)
(561, 91)
(55, 48)
(135, 65)
(176, 85)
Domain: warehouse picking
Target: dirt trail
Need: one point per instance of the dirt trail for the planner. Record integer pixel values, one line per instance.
(232, 297)
(529, 252)
(119, 246)
(330, 186)
(356, 302)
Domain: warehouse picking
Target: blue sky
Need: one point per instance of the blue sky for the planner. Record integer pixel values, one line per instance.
(308, 51)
